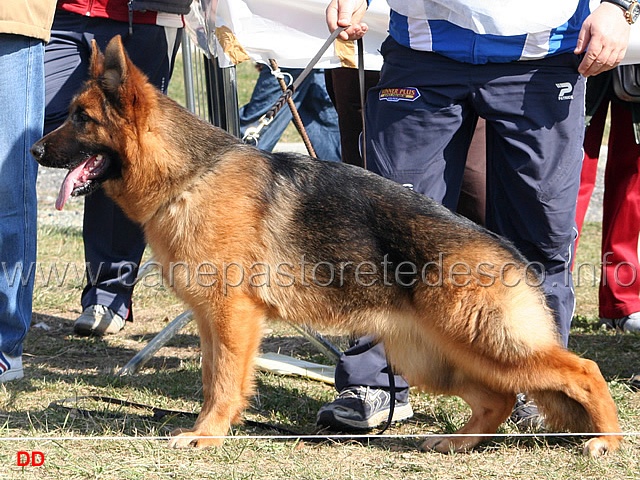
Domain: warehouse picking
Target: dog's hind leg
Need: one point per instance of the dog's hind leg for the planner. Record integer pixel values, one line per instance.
(488, 410)
(574, 395)
(229, 340)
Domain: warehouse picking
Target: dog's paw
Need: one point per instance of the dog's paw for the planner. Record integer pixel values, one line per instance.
(436, 444)
(599, 446)
(446, 444)
(184, 437)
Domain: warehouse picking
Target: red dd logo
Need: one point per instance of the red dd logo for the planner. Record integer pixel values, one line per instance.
(26, 459)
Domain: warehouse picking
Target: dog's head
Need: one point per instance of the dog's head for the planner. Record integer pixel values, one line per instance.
(92, 142)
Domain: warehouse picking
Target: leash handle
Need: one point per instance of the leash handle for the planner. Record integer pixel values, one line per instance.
(317, 56)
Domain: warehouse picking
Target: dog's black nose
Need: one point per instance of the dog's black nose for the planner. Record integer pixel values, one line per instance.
(37, 150)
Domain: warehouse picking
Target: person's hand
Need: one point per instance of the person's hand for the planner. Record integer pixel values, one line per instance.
(604, 36)
(347, 13)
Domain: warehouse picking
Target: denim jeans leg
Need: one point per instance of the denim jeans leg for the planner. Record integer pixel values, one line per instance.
(22, 101)
(320, 118)
(314, 106)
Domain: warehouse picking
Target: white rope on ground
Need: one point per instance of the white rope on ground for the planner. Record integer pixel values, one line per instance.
(318, 437)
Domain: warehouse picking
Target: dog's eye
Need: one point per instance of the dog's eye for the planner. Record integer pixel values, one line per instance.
(81, 116)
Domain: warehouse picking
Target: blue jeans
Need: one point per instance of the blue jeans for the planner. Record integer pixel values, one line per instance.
(22, 103)
(314, 106)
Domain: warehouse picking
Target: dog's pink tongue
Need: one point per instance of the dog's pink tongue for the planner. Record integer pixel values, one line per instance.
(67, 185)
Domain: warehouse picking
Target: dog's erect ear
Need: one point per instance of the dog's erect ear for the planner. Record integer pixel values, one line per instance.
(115, 67)
(96, 66)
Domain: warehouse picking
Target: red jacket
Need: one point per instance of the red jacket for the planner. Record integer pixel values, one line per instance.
(119, 10)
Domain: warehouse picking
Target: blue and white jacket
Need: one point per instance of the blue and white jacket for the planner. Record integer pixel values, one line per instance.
(481, 31)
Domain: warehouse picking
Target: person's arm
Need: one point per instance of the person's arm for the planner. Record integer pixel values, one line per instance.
(347, 13)
(604, 37)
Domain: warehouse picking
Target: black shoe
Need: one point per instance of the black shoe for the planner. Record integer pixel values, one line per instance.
(361, 408)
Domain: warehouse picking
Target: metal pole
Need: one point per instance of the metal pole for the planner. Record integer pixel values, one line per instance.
(222, 96)
(187, 69)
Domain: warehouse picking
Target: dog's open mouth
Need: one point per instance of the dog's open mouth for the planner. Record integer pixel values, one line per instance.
(79, 180)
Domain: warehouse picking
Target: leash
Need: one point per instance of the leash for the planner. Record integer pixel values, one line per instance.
(286, 434)
(252, 134)
(363, 152)
(392, 400)
(157, 414)
(297, 121)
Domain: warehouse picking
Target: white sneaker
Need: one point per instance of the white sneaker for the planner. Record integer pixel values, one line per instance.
(10, 368)
(98, 320)
(629, 324)
(361, 408)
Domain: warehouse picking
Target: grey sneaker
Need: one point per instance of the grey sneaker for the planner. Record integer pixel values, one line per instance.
(628, 324)
(361, 408)
(10, 368)
(525, 414)
(98, 320)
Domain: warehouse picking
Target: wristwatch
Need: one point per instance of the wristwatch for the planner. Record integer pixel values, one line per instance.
(631, 9)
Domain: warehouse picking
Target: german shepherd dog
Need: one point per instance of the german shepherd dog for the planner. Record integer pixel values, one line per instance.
(245, 235)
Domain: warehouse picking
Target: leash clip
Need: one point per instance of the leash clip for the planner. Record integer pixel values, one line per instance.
(252, 134)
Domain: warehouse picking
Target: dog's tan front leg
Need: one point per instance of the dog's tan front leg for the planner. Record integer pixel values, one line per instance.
(229, 344)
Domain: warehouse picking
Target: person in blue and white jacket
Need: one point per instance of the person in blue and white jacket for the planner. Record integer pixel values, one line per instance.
(521, 67)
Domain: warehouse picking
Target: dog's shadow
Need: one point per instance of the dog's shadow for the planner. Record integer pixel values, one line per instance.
(79, 365)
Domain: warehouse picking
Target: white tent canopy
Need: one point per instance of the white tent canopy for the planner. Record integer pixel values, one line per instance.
(292, 32)
(289, 32)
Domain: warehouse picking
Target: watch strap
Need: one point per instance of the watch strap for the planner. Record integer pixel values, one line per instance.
(631, 9)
